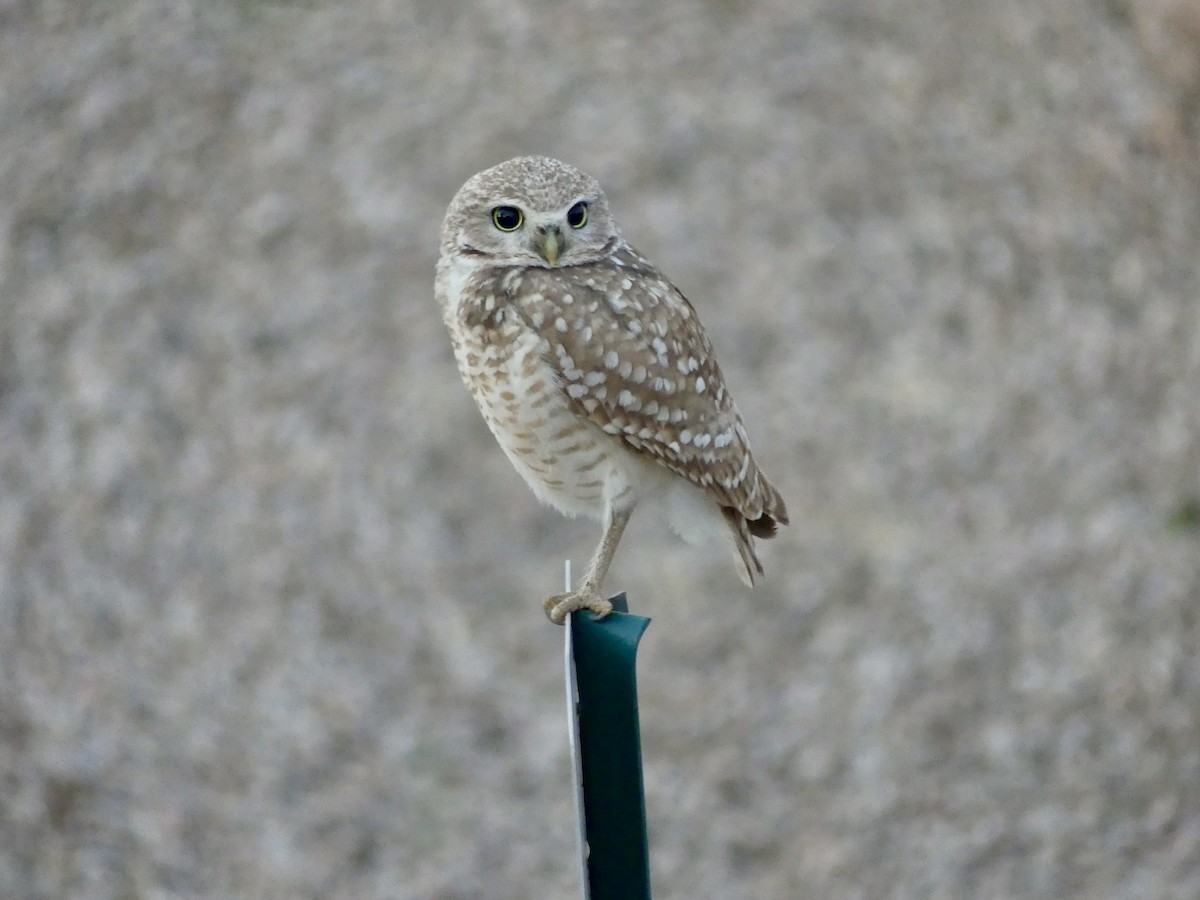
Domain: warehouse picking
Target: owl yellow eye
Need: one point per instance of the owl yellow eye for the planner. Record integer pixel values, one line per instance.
(507, 218)
(577, 215)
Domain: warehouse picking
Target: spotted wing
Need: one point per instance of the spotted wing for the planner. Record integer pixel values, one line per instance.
(633, 357)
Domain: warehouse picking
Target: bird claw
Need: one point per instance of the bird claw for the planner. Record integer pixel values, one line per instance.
(560, 605)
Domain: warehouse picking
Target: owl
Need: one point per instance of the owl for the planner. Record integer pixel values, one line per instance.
(592, 370)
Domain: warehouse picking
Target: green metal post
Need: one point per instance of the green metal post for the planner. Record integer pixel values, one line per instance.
(609, 752)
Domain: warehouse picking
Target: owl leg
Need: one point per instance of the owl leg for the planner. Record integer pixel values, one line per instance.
(587, 595)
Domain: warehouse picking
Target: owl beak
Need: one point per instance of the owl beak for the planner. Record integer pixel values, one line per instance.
(548, 245)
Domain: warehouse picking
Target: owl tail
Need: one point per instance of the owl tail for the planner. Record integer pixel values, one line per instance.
(743, 545)
(744, 531)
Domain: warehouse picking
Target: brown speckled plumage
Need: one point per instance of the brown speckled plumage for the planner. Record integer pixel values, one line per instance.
(592, 370)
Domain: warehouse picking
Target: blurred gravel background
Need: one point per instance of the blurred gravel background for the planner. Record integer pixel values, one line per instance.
(270, 619)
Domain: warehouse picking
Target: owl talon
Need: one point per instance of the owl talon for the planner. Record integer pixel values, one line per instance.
(560, 605)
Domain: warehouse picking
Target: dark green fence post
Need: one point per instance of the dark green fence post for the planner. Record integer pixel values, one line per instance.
(602, 680)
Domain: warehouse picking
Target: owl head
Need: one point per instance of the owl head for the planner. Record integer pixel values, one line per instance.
(530, 211)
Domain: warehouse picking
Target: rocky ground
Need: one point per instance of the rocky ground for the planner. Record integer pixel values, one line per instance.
(270, 597)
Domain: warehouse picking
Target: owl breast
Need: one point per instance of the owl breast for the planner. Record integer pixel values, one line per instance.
(567, 461)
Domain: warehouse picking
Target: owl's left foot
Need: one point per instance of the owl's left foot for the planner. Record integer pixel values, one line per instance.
(585, 597)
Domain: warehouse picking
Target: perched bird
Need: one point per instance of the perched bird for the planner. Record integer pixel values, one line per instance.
(592, 369)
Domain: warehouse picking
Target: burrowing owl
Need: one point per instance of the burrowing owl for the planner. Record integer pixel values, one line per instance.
(592, 370)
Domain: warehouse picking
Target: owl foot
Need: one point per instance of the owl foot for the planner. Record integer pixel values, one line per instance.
(585, 597)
